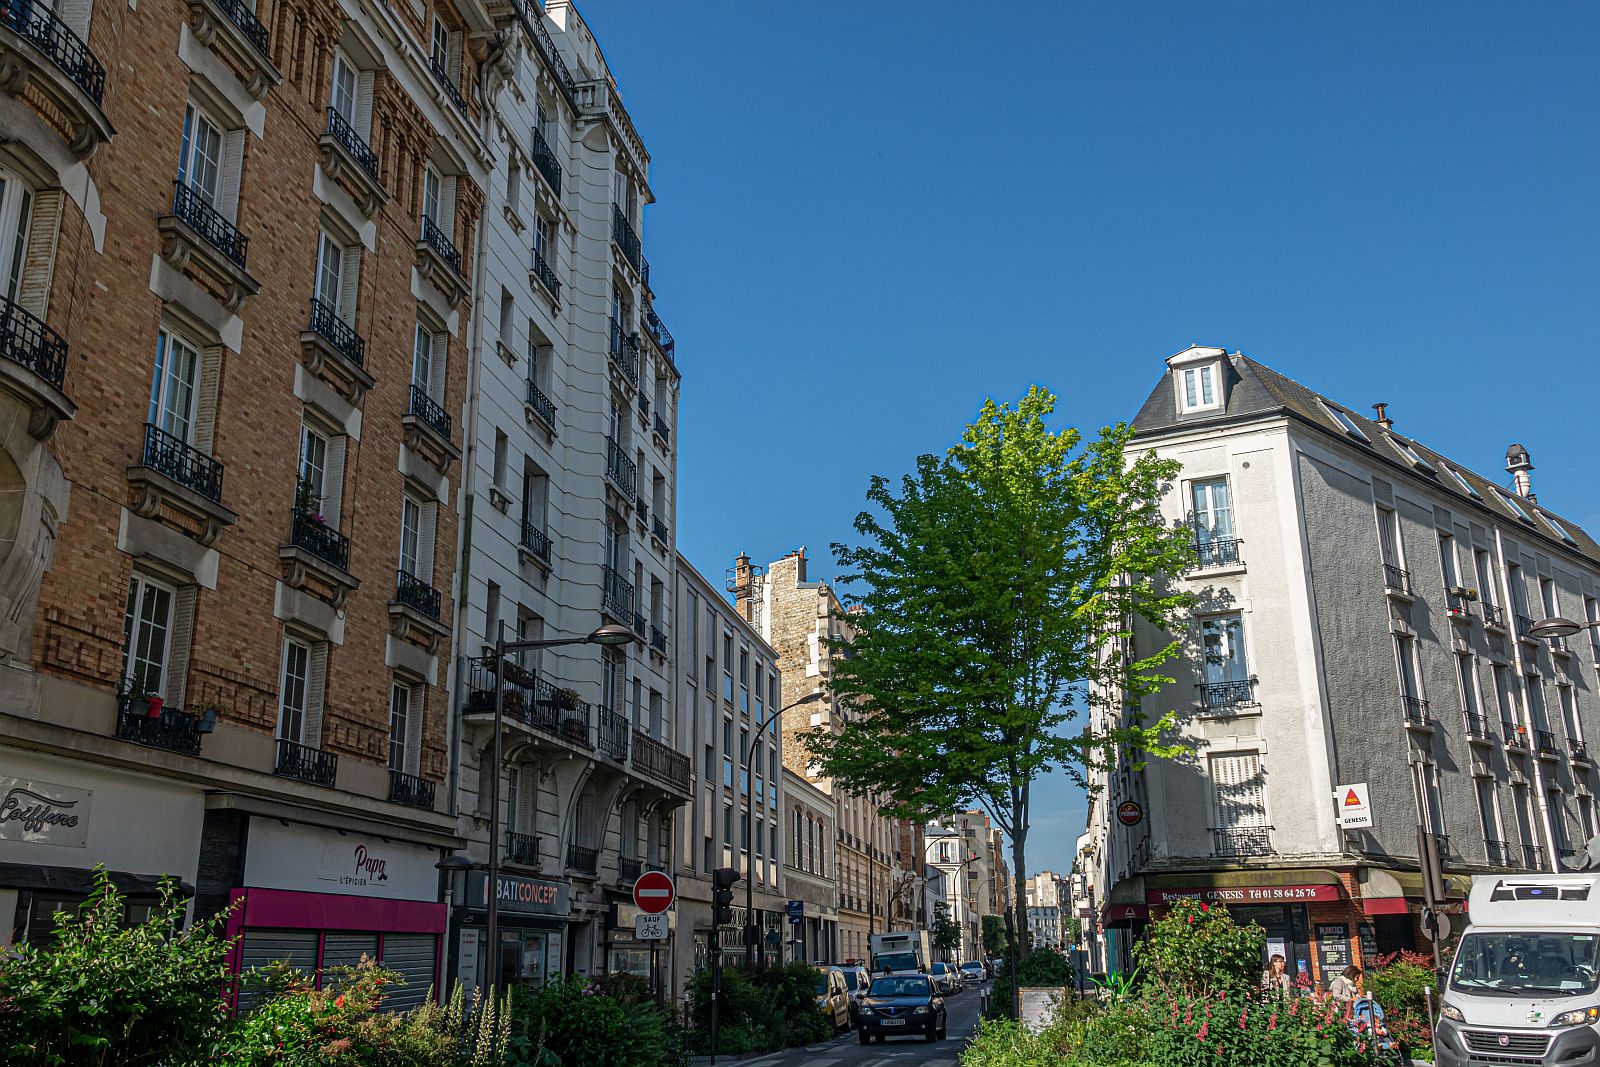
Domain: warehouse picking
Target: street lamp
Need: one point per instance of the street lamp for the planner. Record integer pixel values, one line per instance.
(751, 932)
(1556, 626)
(610, 634)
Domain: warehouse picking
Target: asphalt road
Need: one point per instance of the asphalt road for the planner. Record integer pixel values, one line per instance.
(848, 1051)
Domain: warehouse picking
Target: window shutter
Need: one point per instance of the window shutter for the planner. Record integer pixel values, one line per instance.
(232, 168)
(430, 520)
(40, 257)
(182, 635)
(447, 205)
(350, 282)
(441, 352)
(588, 821)
(333, 480)
(414, 713)
(452, 57)
(205, 416)
(363, 123)
(1239, 795)
(316, 686)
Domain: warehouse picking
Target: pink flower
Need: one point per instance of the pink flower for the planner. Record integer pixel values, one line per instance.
(1272, 1022)
(1204, 906)
(1203, 1027)
(1243, 1015)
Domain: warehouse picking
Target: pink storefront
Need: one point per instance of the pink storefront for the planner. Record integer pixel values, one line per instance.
(318, 898)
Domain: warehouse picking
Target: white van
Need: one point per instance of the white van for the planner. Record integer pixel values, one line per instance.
(1522, 988)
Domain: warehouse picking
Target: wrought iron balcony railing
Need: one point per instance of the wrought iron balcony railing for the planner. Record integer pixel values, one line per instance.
(430, 411)
(661, 428)
(1577, 749)
(583, 859)
(1416, 711)
(640, 627)
(1559, 645)
(535, 540)
(611, 731)
(1227, 694)
(658, 639)
(626, 240)
(170, 728)
(205, 220)
(1217, 552)
(547, 277)
(28, 342)
(189, 467)
(644, 271)
(254, 30)
(629, 868)
(542, 405)
(340, 130)
(1479, 727)
(529, 14)
(642, 506)
(305, 764)
(544, 160)
(1524, 628)
(439, 241)
(616, 593)
(624, 351)
(326, 323)
(1242, 841)
(36, 22)
(1533, 856)
(1516, 734)
(621, 470)
(410, 790)
(451, 90)
(659, 530)
(1458, 606)
(1396, 579)
(644, 406)
(1498, 853)
(661, 335)
(1545, 741)
(522, 848)
(308, 532)
(1492, 615)
(413, 592)
(529, 699)
(660, 762)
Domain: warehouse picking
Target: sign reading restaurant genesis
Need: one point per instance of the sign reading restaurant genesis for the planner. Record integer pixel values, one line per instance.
(44, 813)
(1265, 894)
(525, 896)
(314, 860)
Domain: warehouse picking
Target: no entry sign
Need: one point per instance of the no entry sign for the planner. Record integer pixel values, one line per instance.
(654, 892)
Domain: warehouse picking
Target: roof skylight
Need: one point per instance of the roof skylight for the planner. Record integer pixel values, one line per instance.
(1511, 502)
(1466, 486)
(1557, 527)
(1342, 417)
(1411, 454)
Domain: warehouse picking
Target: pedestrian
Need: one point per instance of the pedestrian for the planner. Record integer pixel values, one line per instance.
(1275, 979)
(1347, 986)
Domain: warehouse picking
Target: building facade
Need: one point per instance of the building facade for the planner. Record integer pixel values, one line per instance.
(947, 852)
(1048, 899)
(809, 863)
(1364, 618)
(235, 330)
(569, 488)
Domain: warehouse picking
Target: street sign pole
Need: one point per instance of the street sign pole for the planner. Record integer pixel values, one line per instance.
(716, 986)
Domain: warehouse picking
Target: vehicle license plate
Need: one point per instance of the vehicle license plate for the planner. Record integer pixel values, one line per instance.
(894, 1022)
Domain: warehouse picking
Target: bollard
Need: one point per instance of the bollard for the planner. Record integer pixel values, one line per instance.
(983, 1003)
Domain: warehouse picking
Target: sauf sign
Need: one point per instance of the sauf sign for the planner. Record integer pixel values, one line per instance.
(44, 813)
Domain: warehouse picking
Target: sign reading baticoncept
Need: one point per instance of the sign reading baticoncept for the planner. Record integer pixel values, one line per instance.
(1354, 807)
(44, 813)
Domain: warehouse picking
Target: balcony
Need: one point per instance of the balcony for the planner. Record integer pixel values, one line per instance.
(542, 408)
(620, 470)
(640, 627)
(305, 764)
(522, 848)
(170, 728)
(624, 351)
(659, 531)
(658, 640)
(1578, 750)
(1222, 695)
(198, 240)
(544, 161)
(616, 595)
(529, 14)
(33, 361)
(662, 431)
(629, 868)
(317, 559)
(40, 51)
(624, 237)
(1242, 841)
(426, 427)
(536, 542)
(1458, 607)
(1498, 853)
(170, 474)
(1416, 712)
(611, 731)
(1479, 728)
(1545, 742)
(656, 760)
(452, 91)
(349, 161)
(326, 323)
(1492, 615)
(583, 860)
(1525, 629)
(1533, 857)
(1558, 646)
(1223, 552)
(410, 791)
(430, 411)
(661, 336)
(530, 700)
(416, 594)
(439, 263)
(545, 276)
(642, 508)
(1516, 735)
(644, 409)
(1396, 580)
(189, 467)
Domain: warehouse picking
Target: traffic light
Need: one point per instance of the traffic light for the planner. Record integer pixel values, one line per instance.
(722, 880)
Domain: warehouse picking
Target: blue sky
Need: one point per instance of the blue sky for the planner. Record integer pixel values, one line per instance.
(872, 216)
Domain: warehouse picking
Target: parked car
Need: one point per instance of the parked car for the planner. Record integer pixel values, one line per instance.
(973, 971)
(946, 979)
(856, 980)
(901, 1004)
(833, 999)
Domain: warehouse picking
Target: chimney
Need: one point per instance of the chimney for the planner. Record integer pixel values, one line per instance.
(743, 581)
(800, 564)
(1518, 465)
(1383, 418)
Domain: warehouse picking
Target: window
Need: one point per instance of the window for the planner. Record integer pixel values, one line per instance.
(147, 637)
(1447, 560)
(1346, 422)
(727, 825)
(727, 667)
(292, 693)
(1239, 793)
(1213, 510)
(1519, 804)
(16, 214)
(1516, 509)
(744, 681)
(535, 496)
(1538, 718)
(1223, 639)
(544, 239)
(1519, 590)
(439, 49)
(1199, 389)
(1389, 537)
(1561, 531)
(200, 158)
(173, 387)
(1466, 486)
(1488, 815)
(422, 357)
(1569, 713)
(692, 620)
(1406, 449)
(330, 272)
(1405, 649)
(342, 97)
(399, 727)
(410, 536)
(1469, 685)
(312, 489)
(1425, 785)
(1503, 698)
(432, 190)
(502, 446)
(1547, 598)
(1486, 590)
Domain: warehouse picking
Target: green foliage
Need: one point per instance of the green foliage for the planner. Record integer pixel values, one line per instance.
(107, 996)
(1197, 949)
(775, 1009)
(1065, 1043)
(1245, 1029)
(996, 941)
(979, 603)
(584, 1022)
(946, 936)
(1398, 982)
(1038, 968)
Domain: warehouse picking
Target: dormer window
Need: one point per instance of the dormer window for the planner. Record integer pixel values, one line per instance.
(1199, 388)
(1466, 486)
(1345, 421)
(1412, 456)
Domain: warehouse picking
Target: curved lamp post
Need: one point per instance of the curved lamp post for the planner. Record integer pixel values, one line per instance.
(1556, 626)
(751, 931)
(610, 634)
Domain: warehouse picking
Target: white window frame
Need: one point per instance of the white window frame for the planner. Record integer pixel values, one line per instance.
(1412, 456)
(1195, 384)
(1465, 485)
(329, 281)
(17, 199)
(432, 194)
(141, 588)
(1344, 420)
(294, 650)
(400, 697)
(169, 410)
(197, 167)
(1517, 509)
(1561, 531)
(1210, 529)
(345, 68)
(411, 519)
(315, 449)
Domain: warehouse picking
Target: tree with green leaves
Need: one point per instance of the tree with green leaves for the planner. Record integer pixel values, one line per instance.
(945, 935)
(993, 599)
(996, 940)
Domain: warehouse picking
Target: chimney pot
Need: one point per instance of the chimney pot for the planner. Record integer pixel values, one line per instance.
(1518, 464)
(1383, 418)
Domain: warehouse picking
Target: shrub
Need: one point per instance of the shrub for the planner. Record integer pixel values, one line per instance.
(1250, 1030)
(112, 996)
(775, 1008)
(1197, 949)
(1041, 967)
(1003, 1043)
(575, 1022)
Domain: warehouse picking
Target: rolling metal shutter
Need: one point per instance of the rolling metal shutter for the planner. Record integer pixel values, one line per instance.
(346, 950)
(297, 948)
(413, 957)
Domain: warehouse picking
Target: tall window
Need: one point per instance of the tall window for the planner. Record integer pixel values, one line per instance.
(1389, 537)
(1486, 590)
(16, 214)
(1504, 699)
(1547, 598)
(1213, 510)
(1447, 560)
(1537, 716)
(744, 681)
(330, 272)
(1223, 639)
(1519, 589)
(200, 158)
(1430, 809)
(1240, 799)
(432, 192)
(439, 48)
(292, 692)
(343, 95)
(727, 667)
(1406, 653)
(147, 636)
(1469, 685)
(173, 386)
(1519, 804)
(1569, 713)
(1199, 388)
(313, 467)
(422, 357)
(1488, 814)
(410, 536)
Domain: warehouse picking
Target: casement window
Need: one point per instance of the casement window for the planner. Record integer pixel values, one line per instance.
(744, 681)
(1488, 811)
(313, 468)
(616, 545)
(16, 216)
(491, 611)
(417, 522)
(538, 360)
(1213, 510)
(294, 691)
(727, 667)
(692, 621)
(1519, 805)
(535, 497)
(1425, 791)
(619, 309)
(147, 636)
(530, 627)
(727, 825)
(622, 195)
(1345, 421)
(200, 162)
(1239, 793)
(502, 448)
(174, 387)
(1504, 699)
(1199, 388)
(1591, 613)
(1586, 815)
(658, 719)
(1481, 563)
(400, 727)
(1519, 589)
(342, 94)
(1405, 653)
(1222, 638)
(1447, 560)
(1468, 679)
(1538, 715)
(1547, 598)
(1389, 543)
(428, 349)
(1570, 720)
(761, 705)
(544, 240)
(338, 274)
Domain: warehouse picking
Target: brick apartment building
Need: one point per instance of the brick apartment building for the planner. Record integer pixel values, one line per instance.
(238, 301)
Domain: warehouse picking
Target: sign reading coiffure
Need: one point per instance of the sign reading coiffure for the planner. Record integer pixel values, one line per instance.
(43, 813)
(314, 860)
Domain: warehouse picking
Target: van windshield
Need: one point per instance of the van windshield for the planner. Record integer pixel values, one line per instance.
(895, 961)
(1520, 964)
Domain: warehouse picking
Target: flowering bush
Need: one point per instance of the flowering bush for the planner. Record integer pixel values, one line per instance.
(1197, 949)
(1251, 1030)
(1398, 981)
(590, 1022)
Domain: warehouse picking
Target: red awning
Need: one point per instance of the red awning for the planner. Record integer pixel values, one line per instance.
(1123, 914)
(1385, 905)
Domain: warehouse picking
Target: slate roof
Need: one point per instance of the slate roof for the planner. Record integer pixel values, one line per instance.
(1257, 391)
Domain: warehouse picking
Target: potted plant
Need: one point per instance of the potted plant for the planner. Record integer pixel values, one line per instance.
(565, 699)
(206, 717)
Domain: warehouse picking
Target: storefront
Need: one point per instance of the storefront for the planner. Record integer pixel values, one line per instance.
(318, 898)
(531, 921)
(626, 954)
(59, 819)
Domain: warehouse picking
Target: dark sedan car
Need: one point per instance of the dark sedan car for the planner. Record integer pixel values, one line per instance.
(901, 1004)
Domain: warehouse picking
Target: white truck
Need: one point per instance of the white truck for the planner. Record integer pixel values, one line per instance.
(900, 953)
(1522, 988)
